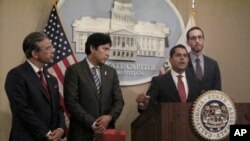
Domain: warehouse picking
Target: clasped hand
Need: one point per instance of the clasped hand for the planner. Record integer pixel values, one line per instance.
(101, 124)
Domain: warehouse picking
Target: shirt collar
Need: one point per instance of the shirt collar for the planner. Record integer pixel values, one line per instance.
(91, 65)
(194, 57)
(174, 73)
(35, 68)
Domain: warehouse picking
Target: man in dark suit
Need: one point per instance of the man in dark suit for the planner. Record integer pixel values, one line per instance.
(166, 88)
(37, 114)
(91, 91)
(205, 69)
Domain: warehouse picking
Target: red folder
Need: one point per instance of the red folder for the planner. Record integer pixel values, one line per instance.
(111, 135)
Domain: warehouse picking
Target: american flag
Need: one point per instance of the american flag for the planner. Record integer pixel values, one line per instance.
(64, 56)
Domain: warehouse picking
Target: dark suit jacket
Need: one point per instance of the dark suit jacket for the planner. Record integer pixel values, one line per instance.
(211, 79)
(163, 89)
(85, 104)
(33, 114)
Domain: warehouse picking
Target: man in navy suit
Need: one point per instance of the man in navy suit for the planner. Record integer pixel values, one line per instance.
(34, 102)
(165, 88)
(91, 91)
(202, 67)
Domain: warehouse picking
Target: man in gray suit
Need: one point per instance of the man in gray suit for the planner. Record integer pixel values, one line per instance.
(202, 67)
(91, 91)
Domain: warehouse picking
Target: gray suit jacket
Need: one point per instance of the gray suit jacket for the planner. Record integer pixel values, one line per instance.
(85, 104)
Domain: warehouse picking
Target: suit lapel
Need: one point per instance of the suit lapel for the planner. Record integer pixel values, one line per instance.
(50, 85)
(104, 74)
(35, 79)
(206, 67)
(86, 70)
(172, 87)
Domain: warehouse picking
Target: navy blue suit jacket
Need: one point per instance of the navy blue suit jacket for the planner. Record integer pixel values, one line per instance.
(211, 79)
(163, 89)
(33, 113)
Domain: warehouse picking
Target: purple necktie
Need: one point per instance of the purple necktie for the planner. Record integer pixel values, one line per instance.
(198, 69)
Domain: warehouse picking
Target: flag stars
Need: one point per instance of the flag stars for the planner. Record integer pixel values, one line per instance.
(55, 32)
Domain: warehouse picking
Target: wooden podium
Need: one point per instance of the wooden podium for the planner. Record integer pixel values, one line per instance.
(172, 122)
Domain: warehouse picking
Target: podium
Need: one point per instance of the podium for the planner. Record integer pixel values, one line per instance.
(173, 122)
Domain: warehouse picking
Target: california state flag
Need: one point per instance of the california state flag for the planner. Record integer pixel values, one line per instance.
(182, 40)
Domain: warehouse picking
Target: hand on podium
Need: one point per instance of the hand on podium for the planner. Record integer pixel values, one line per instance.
(142, 100)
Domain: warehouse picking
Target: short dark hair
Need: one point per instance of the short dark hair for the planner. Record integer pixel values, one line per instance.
(172, 51)
(95, 40)
(30, 43)
(194, 28)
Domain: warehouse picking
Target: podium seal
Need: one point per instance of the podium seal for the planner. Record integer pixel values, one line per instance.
(212, 114)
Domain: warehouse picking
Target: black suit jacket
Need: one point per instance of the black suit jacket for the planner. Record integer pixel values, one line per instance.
(163, 89)
(211, 79)
(85, 104)
(33, 113)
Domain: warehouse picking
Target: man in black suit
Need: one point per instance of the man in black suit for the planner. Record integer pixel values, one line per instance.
(202, 67)
(35, 102)
(91, 91)
(166, 88)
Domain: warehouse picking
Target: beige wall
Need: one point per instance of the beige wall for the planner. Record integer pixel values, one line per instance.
(226, 26)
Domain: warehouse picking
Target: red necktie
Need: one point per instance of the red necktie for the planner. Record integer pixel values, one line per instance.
(45, 86)
(181, 89)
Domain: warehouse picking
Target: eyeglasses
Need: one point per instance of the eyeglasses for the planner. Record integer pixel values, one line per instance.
(50, 48)
(193, 38)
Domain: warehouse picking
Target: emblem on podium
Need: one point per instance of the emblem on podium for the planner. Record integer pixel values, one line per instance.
(212, 114)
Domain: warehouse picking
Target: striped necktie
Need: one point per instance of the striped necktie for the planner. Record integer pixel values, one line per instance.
(96, 79)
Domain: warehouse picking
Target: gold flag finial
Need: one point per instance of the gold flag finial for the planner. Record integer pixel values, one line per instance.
(193, 7)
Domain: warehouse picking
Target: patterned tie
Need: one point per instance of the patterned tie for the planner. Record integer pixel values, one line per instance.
(45, 86)
(96, 79)
(198, 69)
(181, 89)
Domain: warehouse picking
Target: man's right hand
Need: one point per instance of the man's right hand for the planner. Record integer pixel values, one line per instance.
(142, 100)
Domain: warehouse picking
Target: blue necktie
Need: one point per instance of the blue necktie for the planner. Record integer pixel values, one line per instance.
(96, 79)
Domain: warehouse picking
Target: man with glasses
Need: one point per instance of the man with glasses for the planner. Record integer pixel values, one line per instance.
(204, 68)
